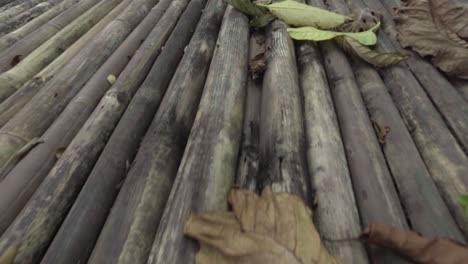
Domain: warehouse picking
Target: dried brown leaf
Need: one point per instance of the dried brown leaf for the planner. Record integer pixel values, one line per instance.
(257, 66)
(271, 228)
(363, 19)
(419, 249)
(381, 131)
(436, 28)
(378, 59)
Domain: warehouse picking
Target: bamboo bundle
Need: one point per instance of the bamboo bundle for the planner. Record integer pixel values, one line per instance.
(26, 16)
(18, 9)
(449, 103)
(439, 149)
(15, 77)
(140, 202)
(12, 37)
(282, 151)
(248, 166)
(16, 101)
(336, 214)
(424, 206)
(31, 170)
(207, 168)
(39, 220)
(41, 111)
(376, 196)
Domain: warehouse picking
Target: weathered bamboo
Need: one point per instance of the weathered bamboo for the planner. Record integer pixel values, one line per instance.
(12, 37)
(31, 170)
(283, 162)
(9, 5)
(15, 77)
(425, 208)
(16, 101)
(42, 110)
(439, 149)
(18, 9)
(39, 220)
(449, 103)
(249, 159)
(139, 205)
(373, 186)
(207, 168)
(462, 87)
(336, 214)
(25, 17)
(5, 2)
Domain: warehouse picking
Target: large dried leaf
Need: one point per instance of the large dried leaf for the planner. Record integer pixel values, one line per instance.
(367, 38)
(376, 58)
(298, 14)
(417, 248)
(272, 228)
(438, 29)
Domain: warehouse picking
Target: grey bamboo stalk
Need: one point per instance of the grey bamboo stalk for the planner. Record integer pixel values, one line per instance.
(22, 181)
(12, 37)
(283, 162)
(14, 78)
(5, 2)
(207, 169)
(9, 5)
(18, 9)
(425, 208)
(249, 158)
(139, 225)
(336, 214)
(443, 95)
(25, 46)
(25, 17)
(16, 101)
(51, 201)
(442, 154)
(41, 111)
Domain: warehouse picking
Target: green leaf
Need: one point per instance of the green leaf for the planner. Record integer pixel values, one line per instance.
(261, 21)
(247, 7)
(463, 202)
(298, 14)
(367, 38)
(373, 57)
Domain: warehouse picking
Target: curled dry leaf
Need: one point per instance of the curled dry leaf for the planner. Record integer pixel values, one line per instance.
(417, 248)
(272, 228)
(376, 58)
(380, 131)
(438, 29)
(299, 14)
(257, 66)
(367, 38)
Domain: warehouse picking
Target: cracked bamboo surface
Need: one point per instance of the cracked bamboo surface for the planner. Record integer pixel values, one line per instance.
(125, 123)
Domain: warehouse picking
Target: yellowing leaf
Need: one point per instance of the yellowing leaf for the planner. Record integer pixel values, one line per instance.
(310, 33)
(373, 57)
(273, 228)
(298, 14)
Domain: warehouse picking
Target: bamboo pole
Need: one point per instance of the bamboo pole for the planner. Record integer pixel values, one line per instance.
(18, 9)
(12, 37)
(336, 214)
(15, 77)
(462, 87)
(41, 111)
(374, 190)
(425, 208)
(446, 99)
(140, 202)
(25, 17)
(31, 170)
(249, 159)
(283, 162)
(444, 158)
(39, 220)
(16, 101)
(5, 2)
(9, 5)
(207, 169)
